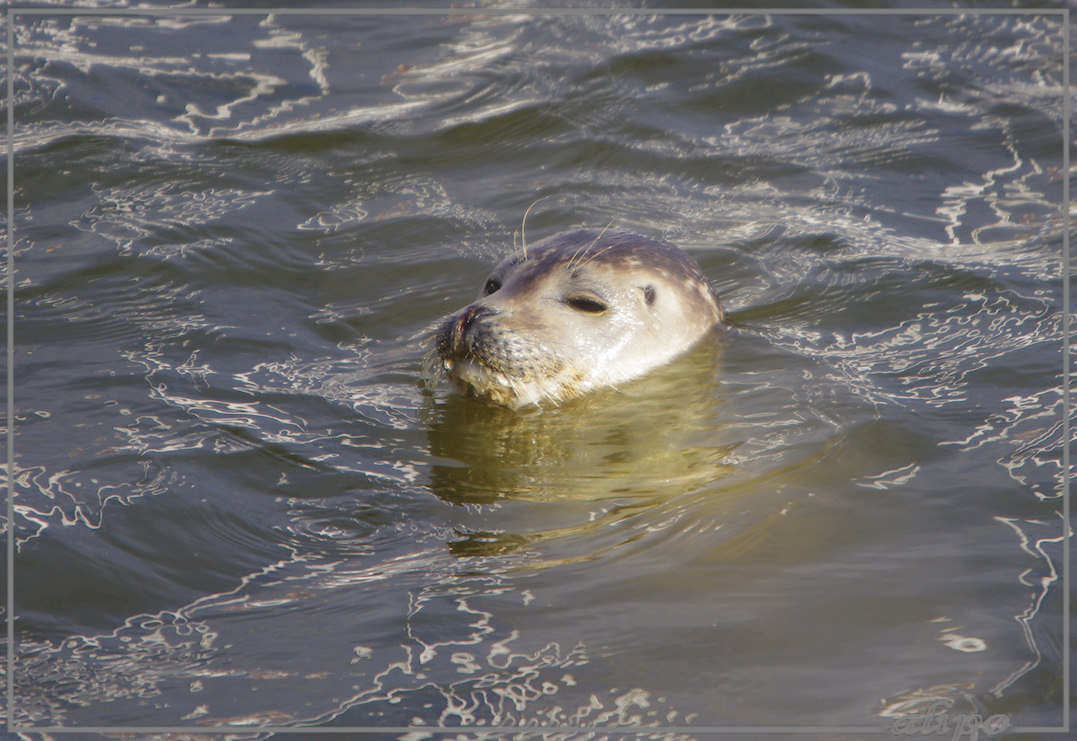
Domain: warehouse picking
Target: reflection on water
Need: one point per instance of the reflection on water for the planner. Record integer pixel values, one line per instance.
(647, 438)
(240, 502)
(624, 451)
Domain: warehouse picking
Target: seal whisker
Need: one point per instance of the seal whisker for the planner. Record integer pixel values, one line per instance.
(599, 252)
(548, 396)
(583, 250)
(523, 223)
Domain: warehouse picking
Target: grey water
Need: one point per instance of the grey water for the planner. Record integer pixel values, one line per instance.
(243, 501)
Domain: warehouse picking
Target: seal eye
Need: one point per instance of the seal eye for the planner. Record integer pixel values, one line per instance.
(491, 285)
(648, 294)
(586, 304)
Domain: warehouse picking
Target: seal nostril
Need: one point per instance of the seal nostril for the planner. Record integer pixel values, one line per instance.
(474, 313)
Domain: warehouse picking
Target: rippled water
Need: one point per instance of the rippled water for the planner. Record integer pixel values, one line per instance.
(240, 500)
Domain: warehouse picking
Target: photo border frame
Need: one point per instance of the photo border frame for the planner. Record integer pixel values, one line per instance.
(13, 13)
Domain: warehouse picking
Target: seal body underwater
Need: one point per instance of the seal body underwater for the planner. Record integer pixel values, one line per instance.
(578, 311)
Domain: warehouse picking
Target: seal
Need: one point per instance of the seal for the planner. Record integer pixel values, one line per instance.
(578, 311)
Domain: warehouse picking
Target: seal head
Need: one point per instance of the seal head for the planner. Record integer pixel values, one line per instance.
(578, 311)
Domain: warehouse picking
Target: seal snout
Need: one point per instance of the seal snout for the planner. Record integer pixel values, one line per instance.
(454, 341)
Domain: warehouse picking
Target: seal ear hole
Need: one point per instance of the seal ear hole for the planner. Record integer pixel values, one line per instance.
(648, 294)
(491, 286)
(586, 304)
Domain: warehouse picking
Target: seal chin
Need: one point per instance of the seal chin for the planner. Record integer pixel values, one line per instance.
(478, 381)
(474, 378)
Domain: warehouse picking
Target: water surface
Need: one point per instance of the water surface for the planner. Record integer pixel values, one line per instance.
(240, 500)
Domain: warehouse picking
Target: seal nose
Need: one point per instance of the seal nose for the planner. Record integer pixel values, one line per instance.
(463, 324)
